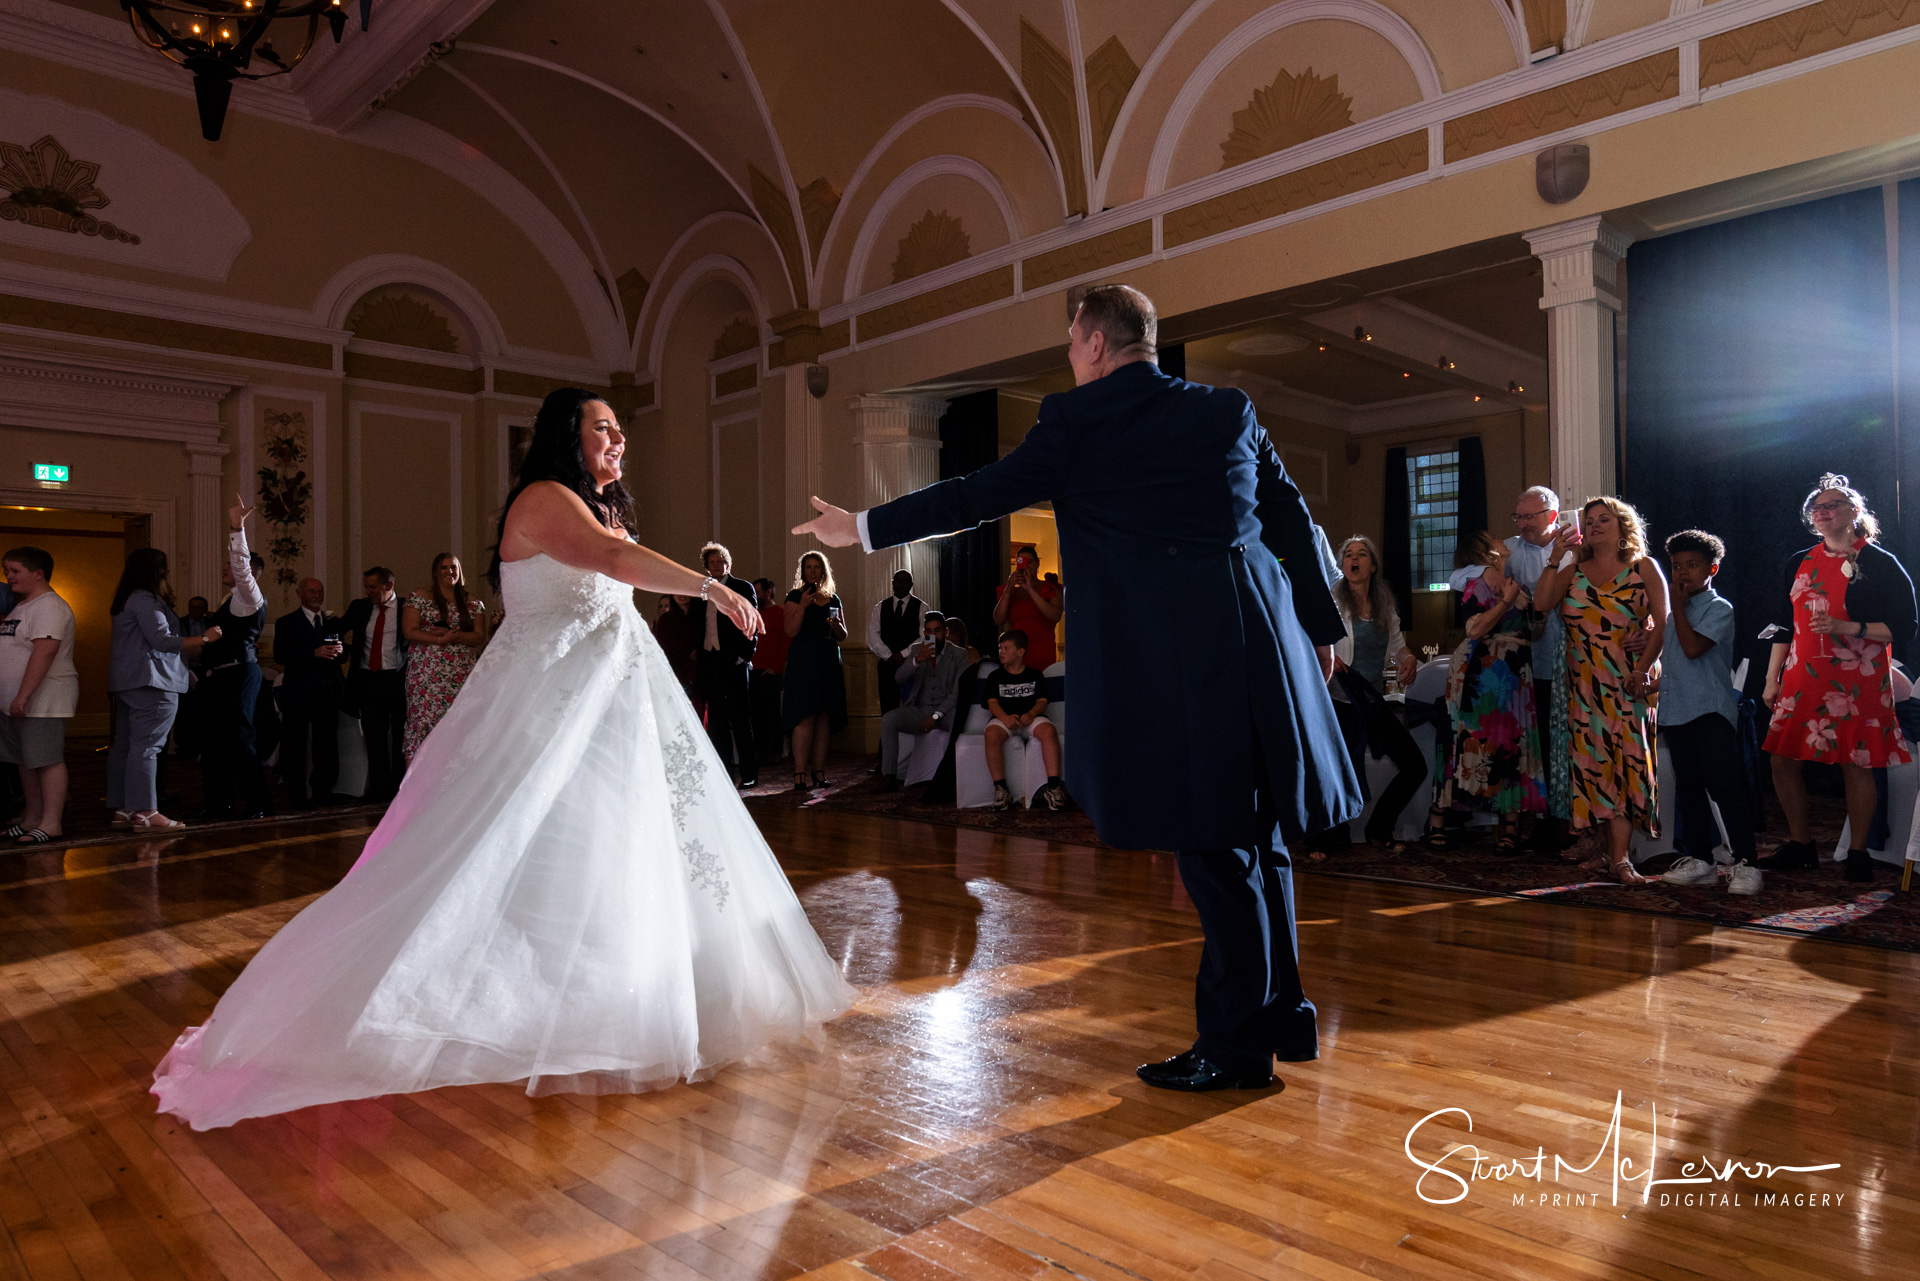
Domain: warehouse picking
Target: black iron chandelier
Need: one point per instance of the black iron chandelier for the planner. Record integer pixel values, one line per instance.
(219, 41)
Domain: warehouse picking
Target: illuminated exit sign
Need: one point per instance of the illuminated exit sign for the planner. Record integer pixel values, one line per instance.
(50, 473)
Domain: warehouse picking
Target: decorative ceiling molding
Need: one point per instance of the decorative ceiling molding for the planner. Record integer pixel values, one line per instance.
(1375, 17)
(799, 262)
(110, 397)
(403, 318)
(777, 212)
(1111, 73)
(369, 66)
(897, 190)
(651, 314)
(46, 187)
(1032, 119)
(818, 202)
(925, 111)
(605, 272)
(1052, 82)
(698, 273)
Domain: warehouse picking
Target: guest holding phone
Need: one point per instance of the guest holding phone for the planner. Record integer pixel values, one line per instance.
(815, 687)
(1612, 591)
(1536, 514)
(307, 647)
(1030, 603)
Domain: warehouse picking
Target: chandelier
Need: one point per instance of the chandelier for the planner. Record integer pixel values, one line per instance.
(219, 40)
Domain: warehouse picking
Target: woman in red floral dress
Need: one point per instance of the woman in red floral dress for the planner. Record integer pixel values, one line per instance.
(446, 628)
(1848, 604)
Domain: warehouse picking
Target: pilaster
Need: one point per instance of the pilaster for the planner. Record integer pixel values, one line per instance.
(206, 521)
(898, 439)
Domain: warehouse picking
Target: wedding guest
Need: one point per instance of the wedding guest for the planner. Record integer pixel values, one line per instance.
(814, 690)
(957, 635)
(195, 623)
(930, 701)
(146, 674)
(1699, 708)
(1491, 762)
(1612, 590)
(892, 630)
(679, 640)
(378, 655)
(1847, 603)
(39, 692)
(1536, 514)
(1358, 686)
(1017, 701)
(444, 628)
(306, 645)
(723, 671)
(1032, 603)
(232, 781)
(769, 664)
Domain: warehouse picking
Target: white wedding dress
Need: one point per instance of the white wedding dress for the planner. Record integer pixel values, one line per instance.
(566, 890)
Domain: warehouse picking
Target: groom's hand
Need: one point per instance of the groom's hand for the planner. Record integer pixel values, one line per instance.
(833, 526)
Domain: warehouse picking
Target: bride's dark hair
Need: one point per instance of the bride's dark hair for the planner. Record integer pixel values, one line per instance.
(555, 454)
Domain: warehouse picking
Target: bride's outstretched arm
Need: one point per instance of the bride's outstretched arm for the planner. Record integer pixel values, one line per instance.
(548, 517)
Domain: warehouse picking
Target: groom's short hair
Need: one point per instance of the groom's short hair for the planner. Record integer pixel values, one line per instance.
(1126, 316)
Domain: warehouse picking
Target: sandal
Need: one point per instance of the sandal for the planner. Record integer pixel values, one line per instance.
(157, 822)
(819, 780)
(1508, 842)
(799, 781)
(1623, 871)
(34, 836)
(1435, 837)
(13, 833)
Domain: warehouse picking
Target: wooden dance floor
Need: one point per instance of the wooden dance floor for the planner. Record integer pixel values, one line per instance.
(976, 1115)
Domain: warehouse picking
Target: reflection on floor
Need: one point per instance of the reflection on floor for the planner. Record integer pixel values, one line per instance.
(976, 1115)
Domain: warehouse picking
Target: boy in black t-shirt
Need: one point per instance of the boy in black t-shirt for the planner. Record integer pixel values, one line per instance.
(1016, 695)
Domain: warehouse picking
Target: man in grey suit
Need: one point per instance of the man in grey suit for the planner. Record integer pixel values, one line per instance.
(929, 705)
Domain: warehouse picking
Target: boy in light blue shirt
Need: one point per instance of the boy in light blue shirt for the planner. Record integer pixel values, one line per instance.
(1699, 709)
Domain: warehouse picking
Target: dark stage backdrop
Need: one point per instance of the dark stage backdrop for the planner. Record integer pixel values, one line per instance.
(1760, 355)
(971, 565)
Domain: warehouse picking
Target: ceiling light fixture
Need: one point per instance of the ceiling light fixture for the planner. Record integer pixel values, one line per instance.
(240, 36)
(1514, 386)
(1443, 363)
(1360, 334)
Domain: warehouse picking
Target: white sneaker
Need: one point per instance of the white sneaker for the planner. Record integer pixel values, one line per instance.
(1723, 856)
(1743, 879)
(1690, 871)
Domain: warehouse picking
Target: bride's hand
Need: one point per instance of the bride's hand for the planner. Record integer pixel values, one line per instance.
(736, 607)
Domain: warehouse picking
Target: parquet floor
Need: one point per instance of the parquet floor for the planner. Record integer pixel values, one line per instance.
(976, 1115)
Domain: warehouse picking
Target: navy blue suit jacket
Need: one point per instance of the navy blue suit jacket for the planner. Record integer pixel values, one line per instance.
(1193, 659)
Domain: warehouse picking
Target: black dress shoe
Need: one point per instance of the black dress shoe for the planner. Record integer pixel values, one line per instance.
(1859, 866)
(1194, 1075)
(1790, 856)
(1296, 1054)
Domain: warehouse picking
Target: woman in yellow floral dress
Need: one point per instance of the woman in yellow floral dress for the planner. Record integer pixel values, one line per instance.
(1611, 590)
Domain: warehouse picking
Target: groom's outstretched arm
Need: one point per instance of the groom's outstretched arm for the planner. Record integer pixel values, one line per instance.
(1030, 474)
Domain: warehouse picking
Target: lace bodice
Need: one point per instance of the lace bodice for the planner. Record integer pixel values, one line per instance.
(548, 607)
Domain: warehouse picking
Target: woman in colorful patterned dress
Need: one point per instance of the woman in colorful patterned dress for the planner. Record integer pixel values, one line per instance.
(445, 628)
(1612, 590)
(1492, 762)
(1847, 602)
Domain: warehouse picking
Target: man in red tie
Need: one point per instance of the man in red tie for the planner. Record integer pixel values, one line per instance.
(375, 681)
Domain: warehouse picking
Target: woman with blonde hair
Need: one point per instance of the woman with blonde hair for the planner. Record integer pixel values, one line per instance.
(814, 690)
(1367, 721)
(446, 628)
(1847, 602)
(1611, 591)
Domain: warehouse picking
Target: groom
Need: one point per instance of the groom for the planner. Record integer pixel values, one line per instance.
(1163, 485)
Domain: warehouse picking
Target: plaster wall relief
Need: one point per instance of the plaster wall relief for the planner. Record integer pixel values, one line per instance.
(1802, 33)
(1616, 17)
(406, 319)
(1290, 111)
(1291, 86)
(818, 201)
(770, 202)
(1546, 22)
(284, 443)
(632, 289)
(1617, 89)
(740, 335)
(61, 164)
(1048, 77)
(935, 241)
(1111, 72)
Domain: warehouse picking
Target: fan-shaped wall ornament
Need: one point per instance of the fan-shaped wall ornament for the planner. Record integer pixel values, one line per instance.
(402, 319)
(46, 187)
(1290, 111)
(936, 241)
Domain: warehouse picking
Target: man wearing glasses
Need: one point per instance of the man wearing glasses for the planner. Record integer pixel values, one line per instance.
(1536, 514)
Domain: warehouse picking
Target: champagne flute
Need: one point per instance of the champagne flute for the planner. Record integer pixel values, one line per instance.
(1818, 606)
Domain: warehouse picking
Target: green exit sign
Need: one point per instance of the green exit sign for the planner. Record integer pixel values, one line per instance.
(50, 473)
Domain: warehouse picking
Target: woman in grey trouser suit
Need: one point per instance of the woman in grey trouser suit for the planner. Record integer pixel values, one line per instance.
(147, 673)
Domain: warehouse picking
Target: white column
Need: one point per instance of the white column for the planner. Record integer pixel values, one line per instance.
(898, 438)
(1579, 263)
(205, 540)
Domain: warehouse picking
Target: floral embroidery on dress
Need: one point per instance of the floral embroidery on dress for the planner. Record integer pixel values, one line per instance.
(685, 787)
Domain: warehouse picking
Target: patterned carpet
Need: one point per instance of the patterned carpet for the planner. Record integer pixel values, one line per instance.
(1816, 904)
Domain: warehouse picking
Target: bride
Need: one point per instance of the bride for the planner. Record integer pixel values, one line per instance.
(566, 889)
